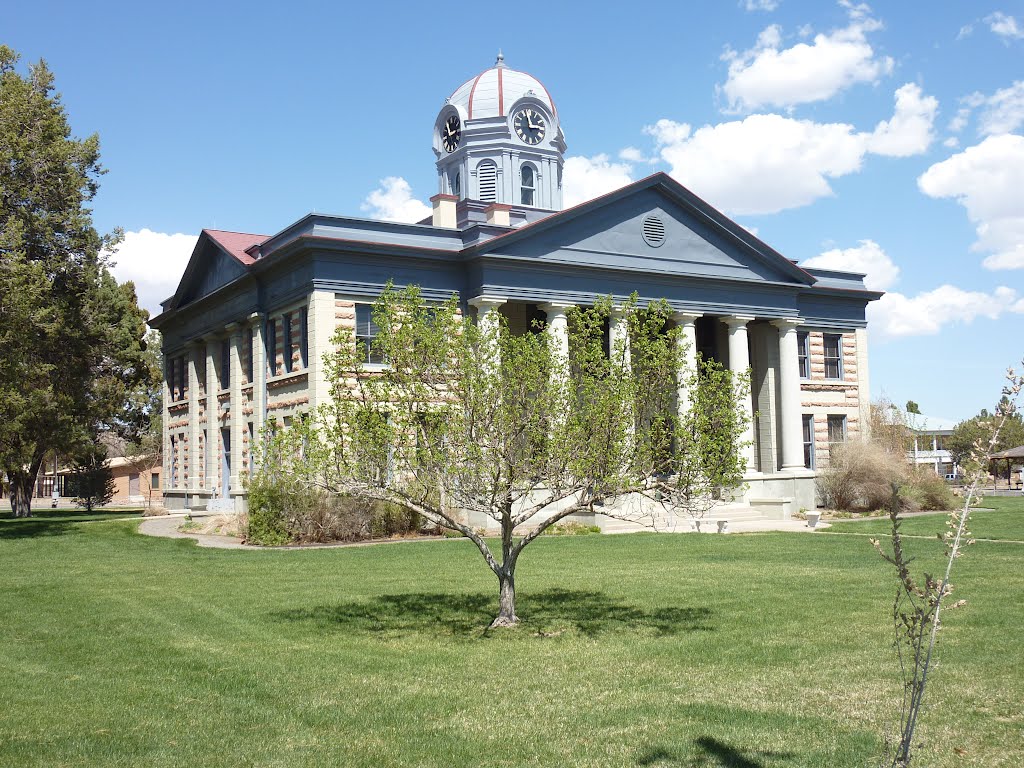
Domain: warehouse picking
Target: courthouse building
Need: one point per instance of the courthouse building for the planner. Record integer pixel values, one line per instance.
(246, 331)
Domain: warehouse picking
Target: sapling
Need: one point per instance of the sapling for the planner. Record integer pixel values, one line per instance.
(919, 600)
(469, 424)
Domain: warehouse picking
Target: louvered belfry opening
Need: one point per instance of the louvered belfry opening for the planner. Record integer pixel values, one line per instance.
(487, 173)
(653, 231)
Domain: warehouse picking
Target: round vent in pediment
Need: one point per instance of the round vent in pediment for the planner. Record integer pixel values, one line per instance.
(653, 229)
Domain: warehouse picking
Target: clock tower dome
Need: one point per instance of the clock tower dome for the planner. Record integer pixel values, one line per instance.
(498, 139)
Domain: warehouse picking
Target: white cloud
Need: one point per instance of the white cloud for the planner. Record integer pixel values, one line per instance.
(958, 123)
(769, 75)
(965, 31)
(155, 262)
(1004, 110)
(909, 132)
(633, 155)
(584, 178)
(897, 315)
(767, 163)
(868, 257)
(393, 201)
(987, 180)
(760, 5)
(951, 143)
(1005, 26)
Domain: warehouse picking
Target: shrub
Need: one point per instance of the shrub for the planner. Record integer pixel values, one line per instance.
(268, 511)
(860, 477)
(392, 520)
(318, 517)
(932, 490)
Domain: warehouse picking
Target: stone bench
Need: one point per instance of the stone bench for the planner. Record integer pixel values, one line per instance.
(721, 524)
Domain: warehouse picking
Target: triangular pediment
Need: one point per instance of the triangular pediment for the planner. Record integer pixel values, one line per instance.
(651, 226)
(214, 263)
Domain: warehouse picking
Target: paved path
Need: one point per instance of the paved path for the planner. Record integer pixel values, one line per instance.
(167, 526)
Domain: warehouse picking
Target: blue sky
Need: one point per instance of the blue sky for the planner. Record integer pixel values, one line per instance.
(887, 139)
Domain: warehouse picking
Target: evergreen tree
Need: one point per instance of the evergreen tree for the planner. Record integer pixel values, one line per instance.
(71, 337)
(92, 479)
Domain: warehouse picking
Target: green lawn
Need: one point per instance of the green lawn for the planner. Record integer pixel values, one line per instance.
(1002, 518)
(644, 650)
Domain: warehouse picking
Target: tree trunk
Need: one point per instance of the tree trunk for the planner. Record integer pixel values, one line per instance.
(22, 484)
(506, 601)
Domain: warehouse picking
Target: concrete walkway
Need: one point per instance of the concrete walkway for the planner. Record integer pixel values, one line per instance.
(166, 526)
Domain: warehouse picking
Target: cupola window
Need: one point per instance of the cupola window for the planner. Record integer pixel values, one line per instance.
(457, 185)
(527, 184)
(487, 174)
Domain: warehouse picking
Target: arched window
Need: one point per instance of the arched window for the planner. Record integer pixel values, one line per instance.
(457, 184)
(527, 184)
(487, 175)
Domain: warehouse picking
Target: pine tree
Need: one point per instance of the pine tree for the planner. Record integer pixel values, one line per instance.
(71, 337)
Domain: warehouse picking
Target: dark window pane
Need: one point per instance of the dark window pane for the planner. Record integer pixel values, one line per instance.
(833, 356)
(286, 321)
(803, 354)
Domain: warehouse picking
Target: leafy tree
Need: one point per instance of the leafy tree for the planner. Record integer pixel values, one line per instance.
(71, 337)
(889, 428)
(966, 435)
(913, 407)
(92, 479)
(468, 423)
(145, 452)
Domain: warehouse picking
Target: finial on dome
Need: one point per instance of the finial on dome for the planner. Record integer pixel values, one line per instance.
(500, 62)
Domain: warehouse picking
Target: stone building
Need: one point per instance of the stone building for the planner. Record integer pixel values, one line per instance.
(246, 330)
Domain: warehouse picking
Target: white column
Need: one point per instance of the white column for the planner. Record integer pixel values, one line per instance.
(688, 344)
(739, 363)
(789, 396)
(212, 417)
(558, 328)
(259, 375)
(238, 420)
(488, 320)
(194, 429)
(618, 337)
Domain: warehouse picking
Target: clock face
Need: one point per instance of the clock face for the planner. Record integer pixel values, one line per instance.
(530, 126)
(451, 133)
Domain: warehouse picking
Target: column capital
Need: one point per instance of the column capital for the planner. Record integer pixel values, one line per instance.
(682, 317)
(735, 321)
(255, 317)
(232, 327)
(786, 324)
(558, 307)
(487, 301)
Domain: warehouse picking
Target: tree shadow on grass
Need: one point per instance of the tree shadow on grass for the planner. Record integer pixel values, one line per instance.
(549, 613)
(47, 523)
(712, 753)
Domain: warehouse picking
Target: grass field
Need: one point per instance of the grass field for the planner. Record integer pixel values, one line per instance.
(643, 650)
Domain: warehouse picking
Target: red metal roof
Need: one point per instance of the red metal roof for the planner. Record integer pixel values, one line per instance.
(236, 243)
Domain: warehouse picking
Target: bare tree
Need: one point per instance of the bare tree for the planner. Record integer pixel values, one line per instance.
(477, 428)
(920, 599)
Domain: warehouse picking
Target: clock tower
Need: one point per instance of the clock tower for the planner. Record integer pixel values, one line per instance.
(498, 139)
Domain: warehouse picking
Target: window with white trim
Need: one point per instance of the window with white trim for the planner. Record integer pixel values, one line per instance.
(366, 333)
(527, 184)
(808, 426)
(836, 429)
(803, 353)
(833, 355)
